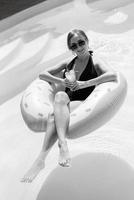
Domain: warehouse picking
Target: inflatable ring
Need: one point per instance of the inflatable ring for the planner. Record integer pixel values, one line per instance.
(98, 108)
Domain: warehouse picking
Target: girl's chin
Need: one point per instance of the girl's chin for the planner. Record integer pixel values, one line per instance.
(82, 53)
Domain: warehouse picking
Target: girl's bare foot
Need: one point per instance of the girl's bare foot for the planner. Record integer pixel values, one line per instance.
(37, 166)
(64, 157)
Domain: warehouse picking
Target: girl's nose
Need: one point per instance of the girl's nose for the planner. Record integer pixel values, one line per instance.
(79, 48)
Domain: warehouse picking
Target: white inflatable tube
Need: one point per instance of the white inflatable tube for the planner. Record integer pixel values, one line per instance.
(95, 111)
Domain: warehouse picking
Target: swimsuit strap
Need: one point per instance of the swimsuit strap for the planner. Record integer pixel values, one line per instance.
(71, 63)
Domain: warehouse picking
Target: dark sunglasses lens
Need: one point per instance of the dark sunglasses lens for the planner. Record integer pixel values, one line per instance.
(81, 43)
(74, 46)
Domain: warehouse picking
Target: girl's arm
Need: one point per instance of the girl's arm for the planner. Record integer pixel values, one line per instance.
(50, 74)
(106, 77)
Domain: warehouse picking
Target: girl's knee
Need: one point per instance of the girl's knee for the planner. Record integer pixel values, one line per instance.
(61, 98)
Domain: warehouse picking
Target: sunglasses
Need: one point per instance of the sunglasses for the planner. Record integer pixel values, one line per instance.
(80, 43)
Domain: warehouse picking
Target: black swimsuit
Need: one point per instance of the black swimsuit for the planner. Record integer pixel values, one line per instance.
(88, 73)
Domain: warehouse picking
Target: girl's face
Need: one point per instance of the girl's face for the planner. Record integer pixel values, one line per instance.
(79, 45)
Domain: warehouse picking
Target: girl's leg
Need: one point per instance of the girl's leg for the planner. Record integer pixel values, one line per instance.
(62, 117)
(49, 141)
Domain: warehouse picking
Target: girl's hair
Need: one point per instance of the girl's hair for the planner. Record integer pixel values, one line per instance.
(74, 32)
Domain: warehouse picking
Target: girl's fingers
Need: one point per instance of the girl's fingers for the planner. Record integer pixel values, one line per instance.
(72, 85)
(75, 86)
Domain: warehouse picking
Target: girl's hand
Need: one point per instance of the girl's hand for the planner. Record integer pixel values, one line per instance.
(81, 84)
(68, 83)
(76, 85)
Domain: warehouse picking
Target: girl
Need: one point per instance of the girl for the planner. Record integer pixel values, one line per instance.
(86, 71)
